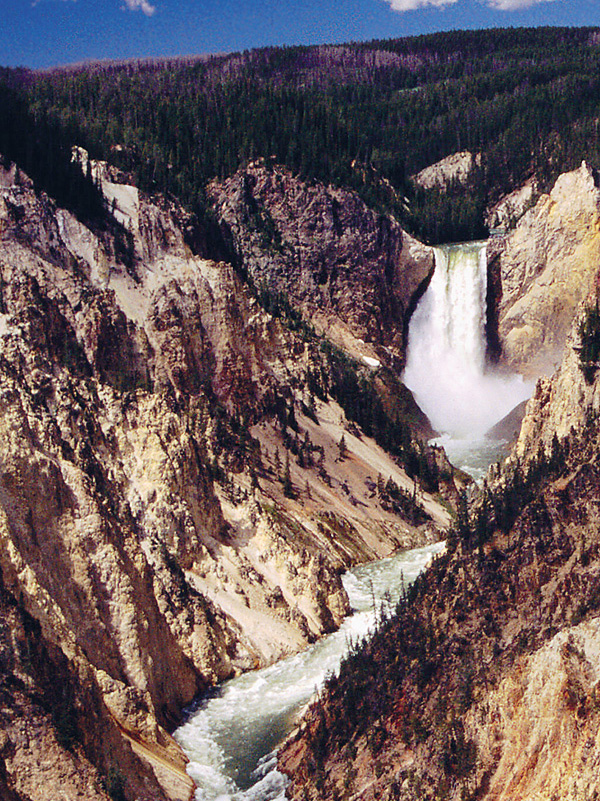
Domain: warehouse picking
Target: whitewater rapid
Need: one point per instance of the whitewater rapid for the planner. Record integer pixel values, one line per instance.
(232, 735)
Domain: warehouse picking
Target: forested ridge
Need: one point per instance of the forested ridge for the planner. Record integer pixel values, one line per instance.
(364, 115)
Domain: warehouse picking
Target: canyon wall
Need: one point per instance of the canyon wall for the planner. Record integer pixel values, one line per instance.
(354, 273)
(176, 505)
(542, 269)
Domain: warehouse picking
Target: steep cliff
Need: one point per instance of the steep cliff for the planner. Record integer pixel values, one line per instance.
(175, 503)
(455, 168)
(486, 682)
(355, 273)
(542, 270)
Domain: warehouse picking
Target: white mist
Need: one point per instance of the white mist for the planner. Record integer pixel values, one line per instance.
(446, 365)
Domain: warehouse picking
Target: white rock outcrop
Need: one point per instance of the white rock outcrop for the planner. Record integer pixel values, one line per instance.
(456, 167)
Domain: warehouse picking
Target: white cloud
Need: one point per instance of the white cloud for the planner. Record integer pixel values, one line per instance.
(412, 5)
(499, 5)
(514, 5)
(141, 5)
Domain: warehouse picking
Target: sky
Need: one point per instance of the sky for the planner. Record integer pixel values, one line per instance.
(47, 33)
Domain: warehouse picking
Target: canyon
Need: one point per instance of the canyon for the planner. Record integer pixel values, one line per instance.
(484, 683)
(177, 505)
(182, 486)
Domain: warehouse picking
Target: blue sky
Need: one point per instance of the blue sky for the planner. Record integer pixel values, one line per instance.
(45, 33)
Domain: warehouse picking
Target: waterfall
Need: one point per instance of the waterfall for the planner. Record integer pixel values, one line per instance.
(446, 366)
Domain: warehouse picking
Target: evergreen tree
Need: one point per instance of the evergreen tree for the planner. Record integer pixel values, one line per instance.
(288, 487)
(526, 103)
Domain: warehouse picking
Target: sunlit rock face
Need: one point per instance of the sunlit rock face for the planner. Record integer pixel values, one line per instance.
(354, 272)
(510, 208)
(131, 373)
(456, 167)
(545, 267)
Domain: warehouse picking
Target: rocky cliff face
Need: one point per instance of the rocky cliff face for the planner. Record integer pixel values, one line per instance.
(153, 538)
(505, 214)
(561, 403)
(356, 274)
(457, 167)
(486, 683)
(543, 269)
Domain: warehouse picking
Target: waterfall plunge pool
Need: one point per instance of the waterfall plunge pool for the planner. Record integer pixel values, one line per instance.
(232, 734)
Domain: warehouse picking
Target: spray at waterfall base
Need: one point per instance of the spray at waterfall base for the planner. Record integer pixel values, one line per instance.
(446, 369)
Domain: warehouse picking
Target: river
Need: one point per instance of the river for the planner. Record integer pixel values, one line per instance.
(232, 734)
